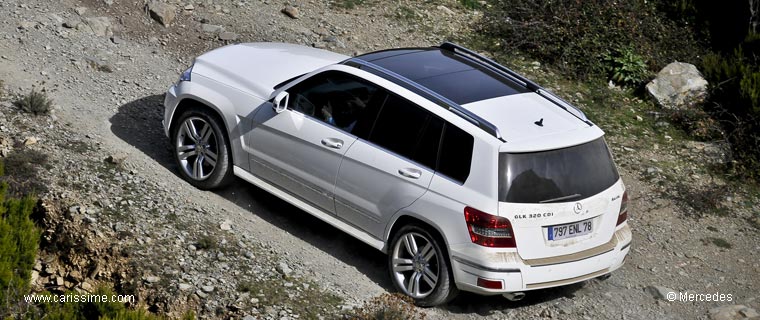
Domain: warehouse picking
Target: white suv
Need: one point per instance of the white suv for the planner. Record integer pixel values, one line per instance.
(469, 176)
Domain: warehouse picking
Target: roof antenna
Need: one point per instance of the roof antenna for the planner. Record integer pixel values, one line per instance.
(540, 123)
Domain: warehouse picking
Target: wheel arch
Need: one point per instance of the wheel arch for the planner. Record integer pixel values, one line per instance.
(405, 219)
(189, 102)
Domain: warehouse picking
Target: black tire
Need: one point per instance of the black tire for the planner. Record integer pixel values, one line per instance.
(426, 295)
(212, 173)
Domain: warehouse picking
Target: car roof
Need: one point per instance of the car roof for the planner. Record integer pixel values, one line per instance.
(498, 100)
(456, 78)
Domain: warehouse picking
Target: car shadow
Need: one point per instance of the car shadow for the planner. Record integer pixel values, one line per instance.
(139, 124)
(470, 303)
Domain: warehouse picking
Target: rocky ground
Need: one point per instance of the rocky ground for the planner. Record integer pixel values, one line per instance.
(116, 212)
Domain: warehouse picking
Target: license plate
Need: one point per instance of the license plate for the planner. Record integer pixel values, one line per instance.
(575, 229)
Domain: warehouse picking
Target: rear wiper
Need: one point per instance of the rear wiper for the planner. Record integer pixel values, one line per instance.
(572, 196)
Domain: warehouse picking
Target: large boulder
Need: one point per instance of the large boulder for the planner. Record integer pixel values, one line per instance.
(678, 86)
(162, 12)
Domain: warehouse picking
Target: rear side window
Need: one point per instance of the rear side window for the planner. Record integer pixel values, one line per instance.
(455, 157)
(560, 175)
(408, 130)
(415, 133)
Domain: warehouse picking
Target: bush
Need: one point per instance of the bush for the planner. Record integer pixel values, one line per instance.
(735, 97)
(36, 102)
(576, 36)
(19, 240)
(387, 307)
(626, 68)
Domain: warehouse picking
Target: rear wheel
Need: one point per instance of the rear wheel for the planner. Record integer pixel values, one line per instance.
(201, 149)
(420, 268)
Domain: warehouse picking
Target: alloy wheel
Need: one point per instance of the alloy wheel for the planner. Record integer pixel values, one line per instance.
(197, 148)
(415, 265)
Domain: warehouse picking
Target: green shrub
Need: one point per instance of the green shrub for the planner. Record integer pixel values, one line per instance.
(19, 240)
(22, 172)
(735, 97)
(470, 4)
(575, 36)
(626, 68)
(35, 102)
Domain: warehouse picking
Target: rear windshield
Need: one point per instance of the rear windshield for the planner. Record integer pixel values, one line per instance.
(560, 175)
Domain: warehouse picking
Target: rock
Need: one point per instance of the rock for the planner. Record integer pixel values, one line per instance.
(185, 286)
(445, 10)
(321, 31)
(284, 269)
(658, 292)
(108, 3)
(116, 159)
(100, 26)
(30, 141)
(70, 24)
(211, 28)
(201, 294)
(228, 36)
(152, 279)
(189, 7)
(290, 11)
(80, 10)
(58, 281)
(86, 286)
(335, 41)
(226, 225)
(162, 12)
(678, 86)
(116, 40)
(733, 312)
(26, 25)
(207, 289)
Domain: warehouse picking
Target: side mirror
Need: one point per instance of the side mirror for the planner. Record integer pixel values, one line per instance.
(280, 102)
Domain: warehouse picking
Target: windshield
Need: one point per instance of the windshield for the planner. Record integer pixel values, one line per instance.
(560, 175)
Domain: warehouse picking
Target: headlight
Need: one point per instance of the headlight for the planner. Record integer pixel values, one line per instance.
(185, 76)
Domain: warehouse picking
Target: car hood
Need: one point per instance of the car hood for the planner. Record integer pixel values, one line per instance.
(257, 67)
(518, 117)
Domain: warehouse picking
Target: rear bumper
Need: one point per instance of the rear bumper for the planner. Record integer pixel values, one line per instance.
(517, 274)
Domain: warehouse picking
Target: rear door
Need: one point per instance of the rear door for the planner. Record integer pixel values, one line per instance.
(390, 167)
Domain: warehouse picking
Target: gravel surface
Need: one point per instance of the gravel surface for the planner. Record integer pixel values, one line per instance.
(119, 213)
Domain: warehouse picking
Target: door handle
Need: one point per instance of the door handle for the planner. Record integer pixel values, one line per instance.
(410, 173)
(333, 143)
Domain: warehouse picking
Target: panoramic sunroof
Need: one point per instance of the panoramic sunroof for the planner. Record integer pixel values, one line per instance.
(453, 77)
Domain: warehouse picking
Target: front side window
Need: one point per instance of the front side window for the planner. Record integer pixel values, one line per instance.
(338, 99)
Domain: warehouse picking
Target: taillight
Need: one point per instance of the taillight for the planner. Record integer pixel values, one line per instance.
(489, 230)
(623, 215)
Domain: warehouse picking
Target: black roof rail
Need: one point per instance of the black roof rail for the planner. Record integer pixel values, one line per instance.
(426, 93)
(514, 76)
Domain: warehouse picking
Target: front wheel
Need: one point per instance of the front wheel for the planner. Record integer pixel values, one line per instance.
(201, 149)
(419, 267)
